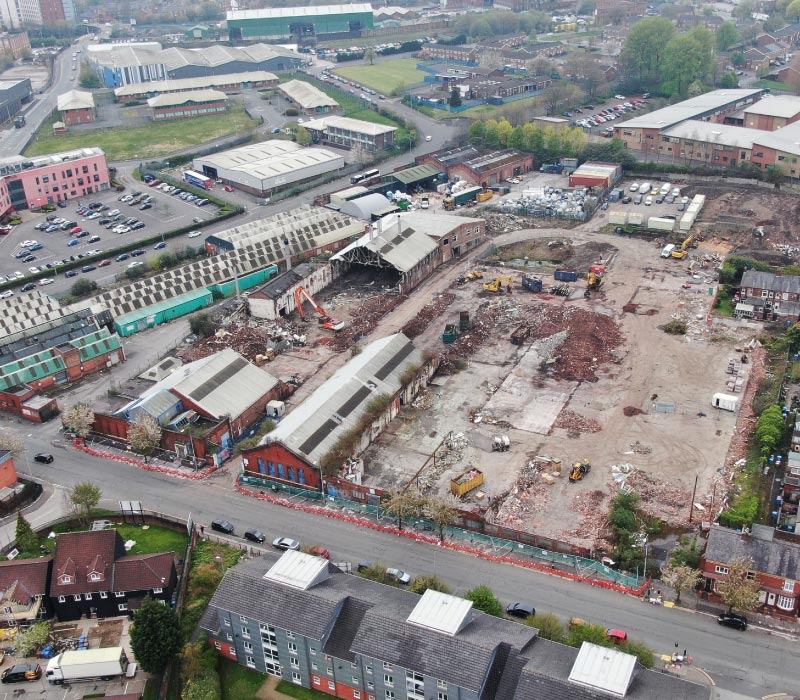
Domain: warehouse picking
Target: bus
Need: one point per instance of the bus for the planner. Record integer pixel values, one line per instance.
(366, 175)
(198, 180)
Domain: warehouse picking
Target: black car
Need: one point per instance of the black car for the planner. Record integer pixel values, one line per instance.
(29, 258)
(136, 253)
(255, 535)
(28, 287)
(738, 622)
(71, 273)
(88, 268)
(43, 457)
(222, 526)
(22, 672)
(121, 257)
(137, 226)
(104, 222)
(523, 610)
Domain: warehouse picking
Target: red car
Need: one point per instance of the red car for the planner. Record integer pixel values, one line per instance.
(76, 229)
(228, 188)
(104, 263)
(617, 636)
(318, 551)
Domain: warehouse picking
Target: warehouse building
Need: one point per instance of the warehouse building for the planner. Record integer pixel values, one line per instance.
(705, 142)
(197, 103)
(76, 107)
(771, 113)
(353, 134)
(13, 95)
(308, 98)
(276, 298)
(298, 22)
(271, 166)
(416, 178)
(231, 82)
(297, 451)
(455, 235)
(484, 169)
(602, 175)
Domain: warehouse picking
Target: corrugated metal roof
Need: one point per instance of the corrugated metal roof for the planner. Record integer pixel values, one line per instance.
(199, 83)
(776, 106)
(364, 207)
(154, 309)
(416, 173)
(313, 427)
(356, 125)
(75, 99)
(173, 99)
(289, 12)
(306, 95)
(603, 669)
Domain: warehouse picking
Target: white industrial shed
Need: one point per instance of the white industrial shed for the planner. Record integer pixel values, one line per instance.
(266, 167)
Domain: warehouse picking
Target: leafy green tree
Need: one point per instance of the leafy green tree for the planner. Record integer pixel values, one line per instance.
(504, 130)
(26, 540)
(423, 583)
(443, 512)
(87, 78)
(729, 80)
(728, 36)
(85, 496)
(477, 133)
(737, 57)
(549, 626)
(686, 554)
(737, 590)
(155, 635)
(303, 136)
(774, 175)
(644, 52)
(32, 639)
(680, 578)
(578, 634)
(377, 572)
(202, 325)
(641, 651)
(404, 505)
(455, 97)
(793, 11)
(491, 137)
(687, 58)
(484, 599)
(83, 287)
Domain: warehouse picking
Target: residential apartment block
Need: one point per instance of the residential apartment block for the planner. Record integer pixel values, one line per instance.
(300, 618)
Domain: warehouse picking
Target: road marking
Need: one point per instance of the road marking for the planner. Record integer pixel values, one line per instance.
(711, 681)
(776, 695)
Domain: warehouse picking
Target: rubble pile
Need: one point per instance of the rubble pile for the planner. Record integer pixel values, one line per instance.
(661, 500)
(448, 456)
(417, 325)
(255, 341)
(527, 498)
(424, 400)
(576, 423)
(746, 420)
(640, 449)
(594, 516)
(364, 321)
(497, 223)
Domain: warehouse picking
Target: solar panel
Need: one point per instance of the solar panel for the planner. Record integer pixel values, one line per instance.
(349, 406)
(393, 363)
(318, 436)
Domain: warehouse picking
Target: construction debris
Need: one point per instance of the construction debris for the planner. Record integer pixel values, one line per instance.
(433, 310)
(370, 311)
(424, 400)
(574, 423)
(640, 449)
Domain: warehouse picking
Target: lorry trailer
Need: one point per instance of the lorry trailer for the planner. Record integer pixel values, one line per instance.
(87, 665)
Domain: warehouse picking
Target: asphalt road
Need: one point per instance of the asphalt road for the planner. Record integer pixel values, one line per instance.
(752, 663)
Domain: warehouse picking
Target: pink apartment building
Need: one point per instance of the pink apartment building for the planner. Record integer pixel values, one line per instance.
(27, 183)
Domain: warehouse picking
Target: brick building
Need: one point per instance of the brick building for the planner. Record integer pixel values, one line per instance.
(302, 619)
(772, 113)
(15, 44)
(295, 452)
(23, 592)
(8, 472)
(776, 566)
(480, 168)
(351, 133)
(77, 107)
(614, 11)
(769, 296)
(195, 103)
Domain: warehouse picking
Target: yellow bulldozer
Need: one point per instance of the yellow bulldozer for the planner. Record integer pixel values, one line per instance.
(496, 285)
(580, 470)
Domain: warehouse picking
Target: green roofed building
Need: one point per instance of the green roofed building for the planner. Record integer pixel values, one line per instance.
(277, 22)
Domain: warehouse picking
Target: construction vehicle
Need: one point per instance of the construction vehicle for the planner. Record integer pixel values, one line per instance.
(464, 323)
(496, 285)
(449, 203)
(561, 290)
(596, 277)
(466, 482)
(325, 320)
(580, 470)
(520, 334)
(474, 275)
(450, 333)
(532, 283)
(683, 251)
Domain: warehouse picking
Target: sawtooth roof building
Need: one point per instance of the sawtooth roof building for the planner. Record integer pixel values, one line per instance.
(301, 618)
(270, 166)
(225, 83)
(299, 22)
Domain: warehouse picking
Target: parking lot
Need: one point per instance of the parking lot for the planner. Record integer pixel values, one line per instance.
(26, 249)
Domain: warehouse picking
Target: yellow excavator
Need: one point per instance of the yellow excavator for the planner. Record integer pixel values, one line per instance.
(683, 251)
(496, 285)
(474, 275)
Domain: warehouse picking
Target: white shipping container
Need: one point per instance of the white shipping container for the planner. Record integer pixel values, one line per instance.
(618, 217)
(687, 221)
(726, 402)
(658, 224)
(635, 218)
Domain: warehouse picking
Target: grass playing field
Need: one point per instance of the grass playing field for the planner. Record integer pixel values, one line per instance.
(384, 76)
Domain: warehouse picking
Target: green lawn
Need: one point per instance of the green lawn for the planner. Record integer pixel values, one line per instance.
(482, 111)
(154, 539)
(773, 85)
(146, 141)
(299, 692)
(385, 76)
(238, 682)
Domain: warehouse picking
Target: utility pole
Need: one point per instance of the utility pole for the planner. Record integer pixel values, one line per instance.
(691, 503)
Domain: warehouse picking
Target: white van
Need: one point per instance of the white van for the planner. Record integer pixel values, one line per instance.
(645, 188)
(666, 251)
(665, 188)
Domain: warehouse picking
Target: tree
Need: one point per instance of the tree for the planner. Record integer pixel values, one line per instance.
(587, 72)
(404, 505)
(558, 97)
(686, 554)
(87, 78)
(680, 578)
(729, 80)
(578, 634)
(774, 175)
(32, 639)
(539, 66)
(424, 583)
(793, 11)
(443, 512)
(369, 54)
(144, 434)
(484, 599)
(155, 635)
(738, 59)
(84, 497)
(549, 626)
(477, 133)
(745, 9)
(736, 589)
(377, 572)
(78, 419)
(26, 540)
(11, 441)
(728, 36)
(202, 325)
(455, 97)
(303, 136)
(83, 287)
(645, 47)
(687, 58)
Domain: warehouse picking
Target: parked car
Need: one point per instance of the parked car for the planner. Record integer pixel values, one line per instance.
(738, 622)
(28, 287)
(637, 199)
(617, 636)
(318, 551)
(71, 273)
(285, 543)
(228, 188)
(222, 526)
(135, 264)
(43, 457)
(88, 268)
(104, 263)
(137, 226)
(6, 294)
(22, 672)
(399, 575)
(145, 206)
(522, 610)
(255, 535)
(121, 257)
(45, 281)
(195, 234)
(138, 252)
(160, 245)
(73, 242)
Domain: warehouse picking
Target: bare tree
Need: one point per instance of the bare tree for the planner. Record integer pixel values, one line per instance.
(443, 512)
(680, 578)
(404, 505)
(144, 435)
(737, 590)
(11, 441)
(558, 97)
(78, 419)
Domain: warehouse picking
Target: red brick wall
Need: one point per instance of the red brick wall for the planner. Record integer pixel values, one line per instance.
(8, 473)
(278, 455)
(225, 648)
(113, 426)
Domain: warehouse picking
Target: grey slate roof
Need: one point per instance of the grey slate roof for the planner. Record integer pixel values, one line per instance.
(500, 659)
(768, 280)
(769, 555)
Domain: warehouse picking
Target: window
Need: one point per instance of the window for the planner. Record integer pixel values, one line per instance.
(312, 651)
(329, 670)
(353, 665)
(248, 646)
(7, 610)
(64, 580)
(296, 678)
(289, 635)
(62, 599)
(389, 695)
(87, 596)
(120, 594)
(442, 685)
(314, 666)
(94, 577)
(226, 622)
(441, 696)
(331, 685)
(265, 628)
(242, 618)
(388, 680)
(245, 632)
(233, 651)
(317, 681)
(122, 607)
(751, 575)
(156, 591)
(251, 662)
(355, 680)
(294, 662)
(292, 648)
(357, 694)
(370, 685)
(217, 646)
(788, 586)
(229, 636)
(387, 666)
(721, 569)
(77, 597)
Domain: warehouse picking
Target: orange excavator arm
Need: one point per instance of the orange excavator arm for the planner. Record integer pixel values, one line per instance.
(326, 321)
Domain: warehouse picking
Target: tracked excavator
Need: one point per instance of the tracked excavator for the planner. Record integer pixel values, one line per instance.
(325, 320)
